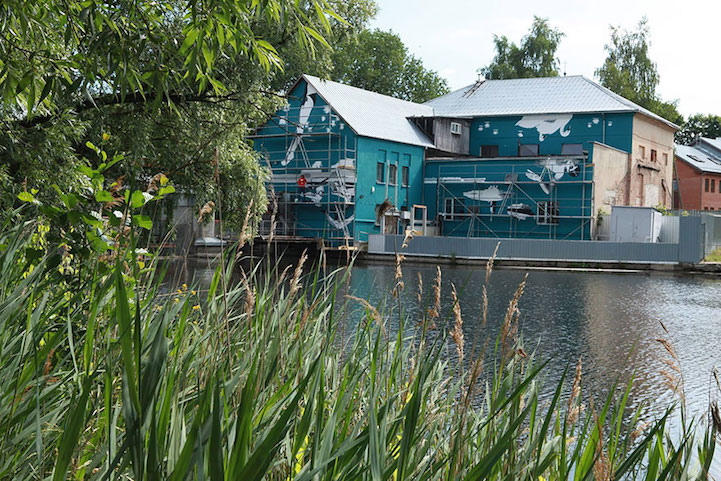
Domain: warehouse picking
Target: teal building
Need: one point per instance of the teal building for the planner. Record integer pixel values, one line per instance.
(344, 161)
(525, 158)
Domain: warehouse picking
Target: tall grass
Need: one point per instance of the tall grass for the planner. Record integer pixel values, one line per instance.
(105, 375)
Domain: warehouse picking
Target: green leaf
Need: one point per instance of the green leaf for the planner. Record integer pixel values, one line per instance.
(166, 190)
(26, 197)
(103, 196)
(75, 420)
(143, 221)
(137, 200)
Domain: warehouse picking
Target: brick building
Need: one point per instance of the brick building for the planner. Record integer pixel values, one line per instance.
(698, 175)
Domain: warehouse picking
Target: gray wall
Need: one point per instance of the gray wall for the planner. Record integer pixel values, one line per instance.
(689, 249)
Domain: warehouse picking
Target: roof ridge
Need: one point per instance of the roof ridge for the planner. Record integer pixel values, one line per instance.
(365, 91)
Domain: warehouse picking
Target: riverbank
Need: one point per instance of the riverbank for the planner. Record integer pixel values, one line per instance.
(705, 269)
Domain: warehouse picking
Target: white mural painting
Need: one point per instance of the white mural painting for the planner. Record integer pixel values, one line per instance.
(520, 211)
(553, 170)
(491, 194)
(546, 124)
(340, 224)
(303, 118)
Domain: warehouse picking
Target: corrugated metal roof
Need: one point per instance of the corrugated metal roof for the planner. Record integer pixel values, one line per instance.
(373, 115)
(548, 95)
(699, 158)
(715, 143)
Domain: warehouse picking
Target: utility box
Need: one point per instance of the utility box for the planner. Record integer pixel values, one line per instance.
(635, 224)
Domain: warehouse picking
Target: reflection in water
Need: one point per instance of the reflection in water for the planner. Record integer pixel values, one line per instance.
(612, 321)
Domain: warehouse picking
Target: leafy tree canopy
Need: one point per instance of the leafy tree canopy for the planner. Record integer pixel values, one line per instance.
(163, 81)
(699, 125)
(379, 61)
(534, 57)
(629, 71)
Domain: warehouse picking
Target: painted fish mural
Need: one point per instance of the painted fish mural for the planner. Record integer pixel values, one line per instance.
(546, 124)
(520, 211)
(491, 194)
(303, 118)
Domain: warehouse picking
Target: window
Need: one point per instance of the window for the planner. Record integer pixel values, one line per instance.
(489, 151)
(378, 215)
(713, 185)
(404, 176)
(665, 159)
(456, 128)
(528, 150)
(392, 174)
(642, 152)
(707, 184)
(572, 149)
(654, 155)
(381, 173)
(453, 208)
(547, 213)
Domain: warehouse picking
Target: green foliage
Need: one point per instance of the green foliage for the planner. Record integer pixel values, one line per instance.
(170, 81)
(379, 61)
(630, 72)
(699, 125)
(534, 57)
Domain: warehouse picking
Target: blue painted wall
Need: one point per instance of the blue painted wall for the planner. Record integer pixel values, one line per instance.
(571, 191)
(370, 193)
(581, 129)
(480, 218)
(326, 141)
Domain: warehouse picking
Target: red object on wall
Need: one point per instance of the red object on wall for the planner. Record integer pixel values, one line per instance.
(301, 181)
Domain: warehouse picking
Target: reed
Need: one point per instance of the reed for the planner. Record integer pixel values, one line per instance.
(104, 375)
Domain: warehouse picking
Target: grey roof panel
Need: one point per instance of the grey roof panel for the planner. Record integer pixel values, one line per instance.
(699, 158)
(373, 115)
(548, 95)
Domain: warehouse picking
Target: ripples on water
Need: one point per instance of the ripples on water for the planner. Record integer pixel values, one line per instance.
(612, 321)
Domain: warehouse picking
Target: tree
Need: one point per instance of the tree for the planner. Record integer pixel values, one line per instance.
(169, 81)
(699, 125)
(629, 71)
(535, 57)
(379, 61)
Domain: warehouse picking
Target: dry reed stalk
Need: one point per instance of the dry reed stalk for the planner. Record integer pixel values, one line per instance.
(574, 408)
(672, 380)
(205, 211)
(638, 432)
(601, 468)
(435, 311)
(373, 311)
(491, 261)
(272, 220)
(457, 331)
(407, 238)
(509, 329)
(297, 273)
(420, 288)
(243, 236)
(398, 288)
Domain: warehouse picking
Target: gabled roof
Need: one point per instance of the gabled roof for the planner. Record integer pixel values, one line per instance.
(370, 114)
(700, 157)
(547, 95)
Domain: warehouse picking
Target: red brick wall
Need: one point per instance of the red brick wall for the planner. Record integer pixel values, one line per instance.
(692, 188)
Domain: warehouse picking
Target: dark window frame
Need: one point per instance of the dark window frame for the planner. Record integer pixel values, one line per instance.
(405, 176)
(547, 213)
(654, 155)
(487, 155)
(526, 146)
(392, 174)
(706, 184)
(381, 173)
(579, 146)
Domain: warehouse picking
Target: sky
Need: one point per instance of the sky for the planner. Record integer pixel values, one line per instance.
(455, 37)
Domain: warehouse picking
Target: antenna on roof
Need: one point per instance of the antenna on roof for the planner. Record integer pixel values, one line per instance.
(564, 69)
